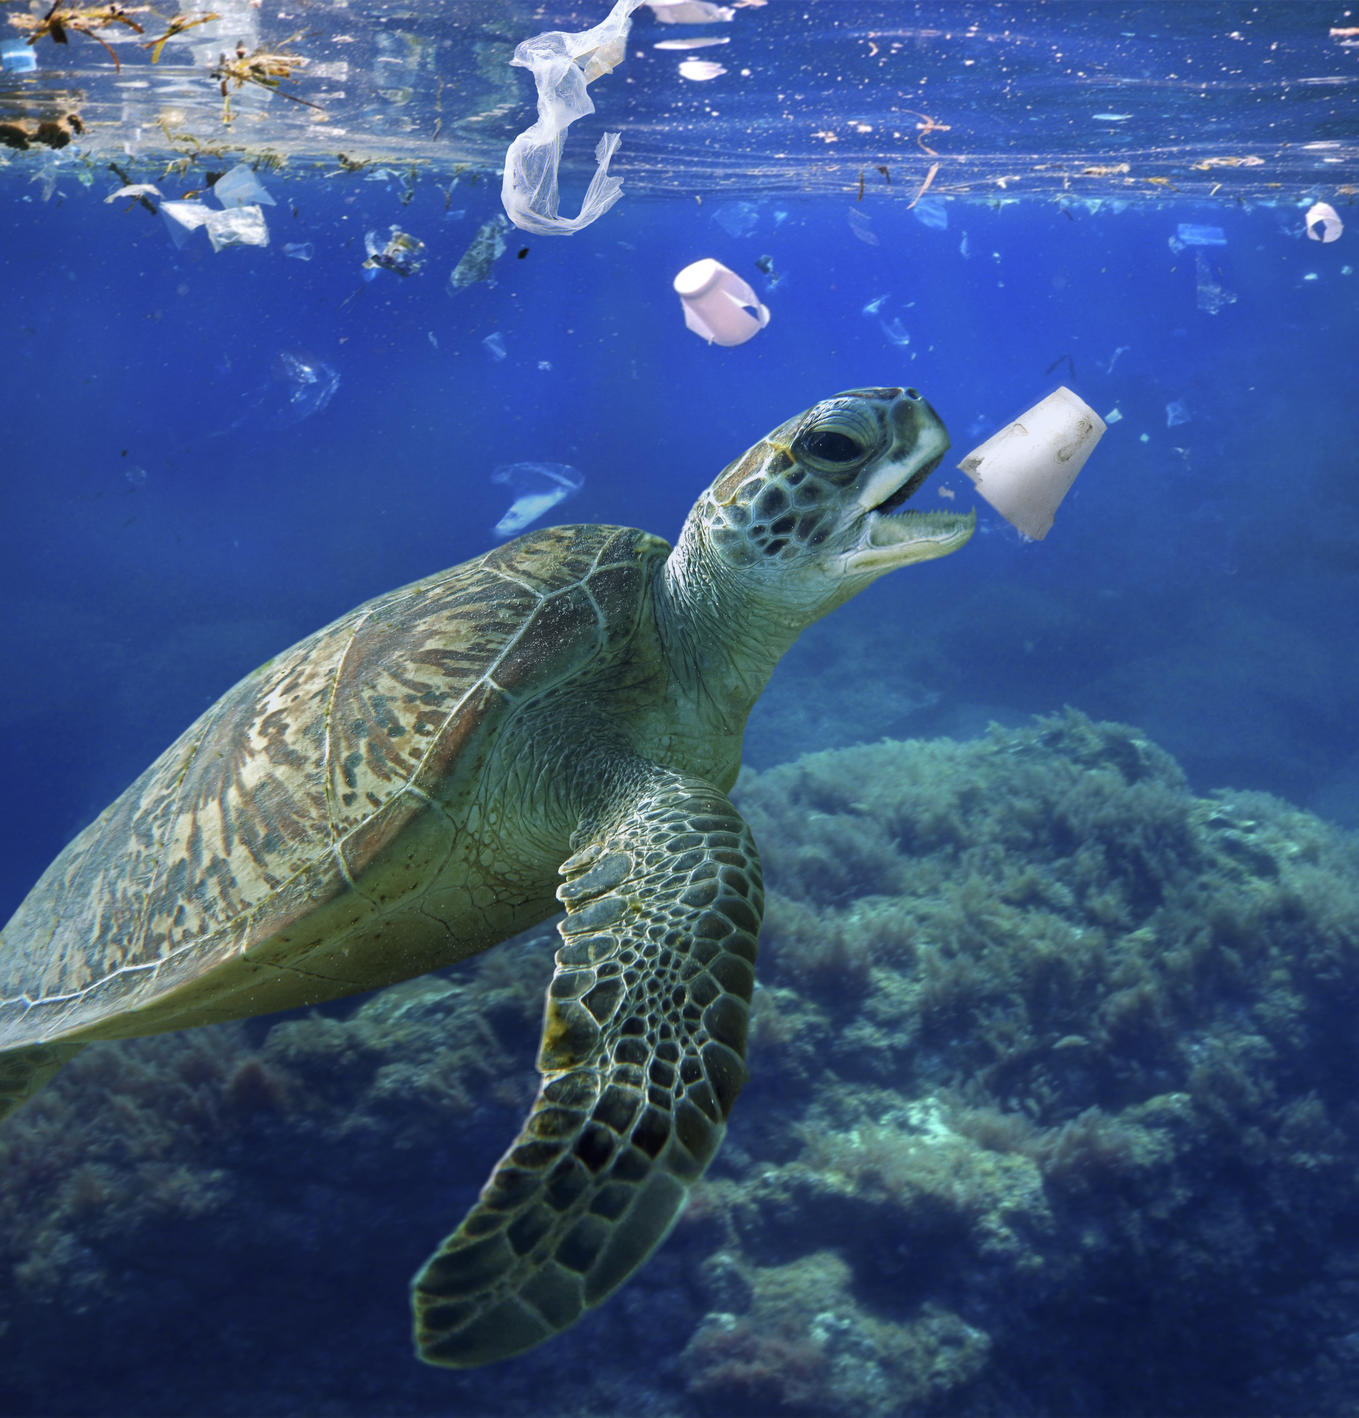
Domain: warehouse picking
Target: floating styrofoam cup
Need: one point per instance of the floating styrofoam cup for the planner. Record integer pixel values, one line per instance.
(1026, 469)
(718, 304)
(1323, 222)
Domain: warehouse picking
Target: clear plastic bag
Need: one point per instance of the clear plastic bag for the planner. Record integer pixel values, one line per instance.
(563, 64)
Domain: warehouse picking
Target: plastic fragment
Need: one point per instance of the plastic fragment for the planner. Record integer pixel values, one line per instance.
(1192, 234)
(299, 250)
(1209, 294)
(1177, 412)
(183, 219)
(137, 189)
(474, 265)
(538, 487)
(494, 345)
(239, 226)
(931, 212)
(690, 12)
(239, 187)
(1026, 469)
(563, 64)
(718, 305)
(1323, 222)
(400, 253)
(700, 70)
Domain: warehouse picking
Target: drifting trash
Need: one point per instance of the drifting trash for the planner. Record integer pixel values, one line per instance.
(241, 226)
(302, 385)
(737, 218)
(494, 345)
(183, 219)
(718, 305)
(1026, 469)
(399, 254)
(1177, 412)
(137, 189)
(876, 304)
(895, 331)
(1192, 235)
(862, 227)
(690, 12)
(539, 487)
(1113, 416)
(241, 188)
(697, 42)
(700, 70)
(931, 212)
(474, 265)
(1209, 295)
(299, 250)
(563, 64)
(17, 59)
(1323, 222)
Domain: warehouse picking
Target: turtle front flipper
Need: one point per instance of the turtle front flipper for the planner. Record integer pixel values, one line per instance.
(643, 1054)
(24, 1071)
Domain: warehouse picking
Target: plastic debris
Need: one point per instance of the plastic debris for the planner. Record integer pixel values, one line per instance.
(538, 487)
(17, 59)
(697, 42)
(1209, 295)
(690, 12)
(1177, 412)
(474, 265)
(241, 188)
(862, 227)
(299, 250)
(1193, 235)
(1026, 469)
(183, 219)
(895, 331)
(718, 305)
(241, 226)
(737, 218)
(399, 254)
(494, 345)
(931, 212)
(302, 386)
(1323, 222)
(137, 189)
(563, 64)
(700, 70)
(876, 304)
(1113, 416)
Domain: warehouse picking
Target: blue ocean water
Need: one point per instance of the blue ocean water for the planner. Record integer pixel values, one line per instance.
(205, 456)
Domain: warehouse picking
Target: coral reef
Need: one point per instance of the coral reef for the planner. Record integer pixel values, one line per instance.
(1051, 1111)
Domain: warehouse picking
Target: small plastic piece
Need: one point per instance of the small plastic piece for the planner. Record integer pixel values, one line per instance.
(400, 253)
(1192, 234)
(240, 226)
(183, 219)
(487, 247)
(299, 250)
(17, 59)
(718, 305)
(691, 12)
(1026, 469)
(699, 71)
(1323, 222)
(540, 487)
(241, 188)
(562, 65)
(1177, 412)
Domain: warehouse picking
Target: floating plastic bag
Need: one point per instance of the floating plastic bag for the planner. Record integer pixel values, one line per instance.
(1026, 469)
(1177, 412)
(539, 487)
(137, 189)
(241, 188)
(183, 219)
(1191, 234)
(690, 12)
(1323, 222)
(240, 226)
(563, 64)
(487, 247)
(718, 304)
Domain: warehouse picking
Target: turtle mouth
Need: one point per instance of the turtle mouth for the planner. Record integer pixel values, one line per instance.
(898, 534)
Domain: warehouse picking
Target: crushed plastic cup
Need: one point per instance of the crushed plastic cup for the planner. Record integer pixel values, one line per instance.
(1323, 222)
(718, 305)
(538, 487)
(1026, 469)
(239, 187)
(562, 64)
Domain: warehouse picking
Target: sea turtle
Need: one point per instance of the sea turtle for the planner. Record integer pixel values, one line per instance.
(553, 724)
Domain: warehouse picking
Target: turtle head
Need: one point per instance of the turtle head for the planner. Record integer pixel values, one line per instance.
(819, 508)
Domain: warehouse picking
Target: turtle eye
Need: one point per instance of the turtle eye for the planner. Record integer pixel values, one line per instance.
(829, 445)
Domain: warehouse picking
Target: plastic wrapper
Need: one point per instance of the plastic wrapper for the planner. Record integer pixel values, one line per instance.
(241, 188)
(240, 226)
(538, 487)
(1026, 469)
(563, 64)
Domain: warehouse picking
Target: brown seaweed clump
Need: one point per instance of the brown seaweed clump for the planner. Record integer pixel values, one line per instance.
(1051, 1112)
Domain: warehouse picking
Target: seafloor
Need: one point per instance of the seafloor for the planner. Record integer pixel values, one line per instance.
(1052, 1112)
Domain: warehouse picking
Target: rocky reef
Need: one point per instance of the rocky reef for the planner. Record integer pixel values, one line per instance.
(1051, 1111)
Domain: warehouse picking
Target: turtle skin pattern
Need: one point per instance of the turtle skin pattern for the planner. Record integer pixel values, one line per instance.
(643, 1055)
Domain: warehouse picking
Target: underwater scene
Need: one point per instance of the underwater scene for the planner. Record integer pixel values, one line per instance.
(1051, 821)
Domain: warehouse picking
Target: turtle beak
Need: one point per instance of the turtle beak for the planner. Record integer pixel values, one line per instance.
(893, 534)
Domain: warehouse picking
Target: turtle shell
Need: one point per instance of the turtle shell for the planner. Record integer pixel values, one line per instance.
(282, 850)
